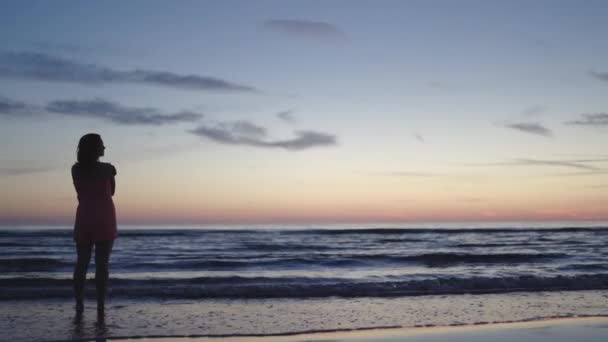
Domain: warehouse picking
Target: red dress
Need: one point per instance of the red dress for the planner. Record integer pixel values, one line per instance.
(96, 215)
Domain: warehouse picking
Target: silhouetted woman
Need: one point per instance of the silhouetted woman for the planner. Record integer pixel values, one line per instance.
(95, 224)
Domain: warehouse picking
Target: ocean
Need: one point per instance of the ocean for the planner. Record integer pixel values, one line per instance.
(199, 263)
(296, 267)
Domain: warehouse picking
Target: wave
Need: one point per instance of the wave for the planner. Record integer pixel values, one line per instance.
(584, 267)
(268, 261)
(11, 244)
(259, 287)
(240, 264)
(439, 259)
(400, 240)
(30, 264)
(338, 260)
(504, 244)
(384, 231)
(288, 247)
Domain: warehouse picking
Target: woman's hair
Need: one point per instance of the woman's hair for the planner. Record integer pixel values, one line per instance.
(89, 149)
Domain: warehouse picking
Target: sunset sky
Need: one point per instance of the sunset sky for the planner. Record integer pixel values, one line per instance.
(308, 111)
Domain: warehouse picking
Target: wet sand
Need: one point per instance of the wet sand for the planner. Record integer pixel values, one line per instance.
(588, 329)
(54, 320)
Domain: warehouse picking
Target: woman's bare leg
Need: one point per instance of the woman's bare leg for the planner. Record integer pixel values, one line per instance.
(83, 251)
(102, 260)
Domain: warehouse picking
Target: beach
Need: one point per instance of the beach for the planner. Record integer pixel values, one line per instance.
(304, 171)
(590, 329)
(277, 283)
(54, 320)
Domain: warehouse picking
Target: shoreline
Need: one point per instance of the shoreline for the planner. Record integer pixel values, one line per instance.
(54, 320)
(372, 332)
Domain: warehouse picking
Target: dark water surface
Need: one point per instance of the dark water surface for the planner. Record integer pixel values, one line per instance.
(314, 263)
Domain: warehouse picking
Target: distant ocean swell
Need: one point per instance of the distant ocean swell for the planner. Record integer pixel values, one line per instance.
(260, 287)
(315, 263)
(429, 260)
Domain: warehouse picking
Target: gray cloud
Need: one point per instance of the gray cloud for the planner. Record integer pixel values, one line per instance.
(564, 163)
(577, 164)
(591, 119)
(10, 107)
(287, 116)
(583, 165)
(589, 160)
(530, 127)
(246, 133)
(246, 129)
(419, 137)
(602, 76)
(117, 113)
(304, 140)
(43, 67)
(577, 174)
(302, 27)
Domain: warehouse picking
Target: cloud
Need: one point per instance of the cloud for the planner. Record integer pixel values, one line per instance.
(419, 137)
(575, 174)
(564, 163)
(99, 109)
(117, 113)
(246, 133)
(602, 76)
(530, 127)
(581, 164)
(43, 67)
(287, 116)
(10, 107)
(591, 119)
(246, 129)
(590, 160)
(302, 27)
(577, 164)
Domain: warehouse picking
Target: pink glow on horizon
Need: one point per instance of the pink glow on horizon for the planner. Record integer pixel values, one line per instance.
(244, 217)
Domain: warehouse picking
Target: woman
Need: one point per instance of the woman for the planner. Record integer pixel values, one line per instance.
(95, 224)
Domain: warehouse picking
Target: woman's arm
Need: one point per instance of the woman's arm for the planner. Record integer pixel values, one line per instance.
(76, 187)
(112, 178)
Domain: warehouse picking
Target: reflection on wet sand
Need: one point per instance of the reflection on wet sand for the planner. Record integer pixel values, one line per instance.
(99, 330)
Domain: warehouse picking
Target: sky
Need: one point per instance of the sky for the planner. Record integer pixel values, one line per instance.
(308, 111)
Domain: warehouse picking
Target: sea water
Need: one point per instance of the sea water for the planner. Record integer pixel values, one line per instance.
(300, 269)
